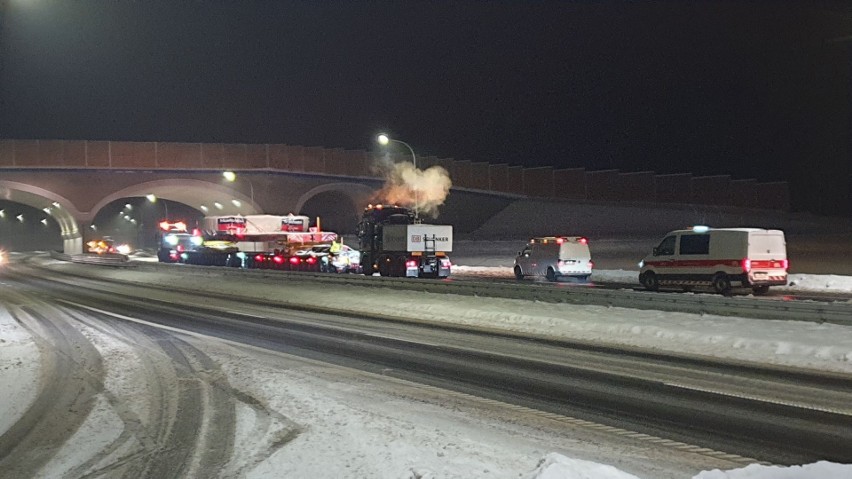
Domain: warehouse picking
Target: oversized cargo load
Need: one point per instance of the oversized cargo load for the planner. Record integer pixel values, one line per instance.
(268, 233)
(253, 241)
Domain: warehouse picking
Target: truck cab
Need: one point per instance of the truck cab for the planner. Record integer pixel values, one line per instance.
(393, 244)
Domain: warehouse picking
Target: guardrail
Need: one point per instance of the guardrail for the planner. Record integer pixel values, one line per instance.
(820, 312)
(102, 259)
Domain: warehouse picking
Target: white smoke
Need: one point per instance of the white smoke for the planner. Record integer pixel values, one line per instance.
(405, 185)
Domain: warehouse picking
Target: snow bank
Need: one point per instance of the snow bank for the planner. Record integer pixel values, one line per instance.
(557, 466)
(817, 470)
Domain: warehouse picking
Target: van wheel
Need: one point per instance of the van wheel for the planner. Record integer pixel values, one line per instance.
(518, 274)
(760, 290)
(721, 283)
(649, 281)
(551, 275)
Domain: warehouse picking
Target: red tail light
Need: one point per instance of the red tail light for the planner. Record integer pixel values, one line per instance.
(583, 240)
(746, 265)
(278, 259)
(311, 260)
(258, 258)
(785, 263)
(294, 260)
(591, 264)
(411, 264)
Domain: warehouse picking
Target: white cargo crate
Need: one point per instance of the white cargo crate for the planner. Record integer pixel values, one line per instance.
(414, 237)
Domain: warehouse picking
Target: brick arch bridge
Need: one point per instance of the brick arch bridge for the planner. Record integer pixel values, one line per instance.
(73, 180)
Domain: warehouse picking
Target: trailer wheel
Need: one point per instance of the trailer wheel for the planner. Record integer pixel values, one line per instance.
(518, 273)
(721, 283)
(649, 281)
(551, 275)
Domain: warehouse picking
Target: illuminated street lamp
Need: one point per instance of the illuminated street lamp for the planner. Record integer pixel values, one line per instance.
(232, 177)
(384, 140)
(153, 199)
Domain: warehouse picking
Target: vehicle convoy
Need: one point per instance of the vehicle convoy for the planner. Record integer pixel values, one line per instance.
(555, 257)
(392, 243)
(254, 241)
(718, 257)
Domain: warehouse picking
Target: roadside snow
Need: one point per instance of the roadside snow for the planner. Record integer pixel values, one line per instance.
(817, 283)
(19, 365)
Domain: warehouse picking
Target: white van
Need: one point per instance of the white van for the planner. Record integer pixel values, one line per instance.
(722, 258)
(555, 257)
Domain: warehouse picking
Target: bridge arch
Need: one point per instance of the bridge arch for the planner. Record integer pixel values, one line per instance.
(59, 208)
(339, 204)
(201, 195)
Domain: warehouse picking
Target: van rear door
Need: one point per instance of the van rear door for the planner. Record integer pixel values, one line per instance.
(570, 251)
(767, 258)
(769, 245)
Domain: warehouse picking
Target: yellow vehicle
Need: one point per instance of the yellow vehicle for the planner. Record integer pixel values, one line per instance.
(101, 246)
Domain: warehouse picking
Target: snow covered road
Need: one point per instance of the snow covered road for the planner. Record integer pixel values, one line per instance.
(350, 425)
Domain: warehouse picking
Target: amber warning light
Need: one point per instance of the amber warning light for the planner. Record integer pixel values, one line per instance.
(179, 226)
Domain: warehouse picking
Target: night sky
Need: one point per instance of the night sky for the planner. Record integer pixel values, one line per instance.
(751, 89)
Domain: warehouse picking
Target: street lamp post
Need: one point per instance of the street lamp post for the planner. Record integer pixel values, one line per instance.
(232, 177)
(384, 140)
(153, 199)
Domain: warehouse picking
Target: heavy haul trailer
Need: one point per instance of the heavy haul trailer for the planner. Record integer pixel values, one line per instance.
(393, 244)
(255, 241)
(272, 242)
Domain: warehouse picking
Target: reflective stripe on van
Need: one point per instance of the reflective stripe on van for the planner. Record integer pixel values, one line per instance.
(692, 263)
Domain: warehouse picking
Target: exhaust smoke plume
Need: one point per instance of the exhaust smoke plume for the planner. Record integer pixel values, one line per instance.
(411, 187)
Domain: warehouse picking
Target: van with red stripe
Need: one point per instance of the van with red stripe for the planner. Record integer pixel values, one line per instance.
(722, 258)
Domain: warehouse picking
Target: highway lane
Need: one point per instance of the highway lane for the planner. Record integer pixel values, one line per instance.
(772, 414)
(169, 419)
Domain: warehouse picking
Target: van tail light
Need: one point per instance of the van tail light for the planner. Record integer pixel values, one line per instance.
(746, 264)
(411, 264)
(591, 264)
(785, 263)
(583, 240)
